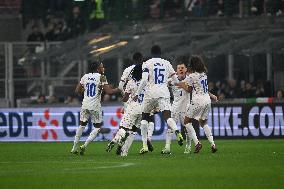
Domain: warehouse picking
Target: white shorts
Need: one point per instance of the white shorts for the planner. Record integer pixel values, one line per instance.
(156, 103)
(129, 120)
(199, 111)
(96, 116)
(179, 117)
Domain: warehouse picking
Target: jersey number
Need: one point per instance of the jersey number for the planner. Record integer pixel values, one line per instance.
(91, 89)
(205, 85)
(140, 98)
(159, 75)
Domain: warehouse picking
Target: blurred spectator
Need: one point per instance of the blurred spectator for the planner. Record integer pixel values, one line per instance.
(232, 89)
(60, 32)
(259, 91)
(242, 89)
(221, 96)
(279, 94)
(220, 11)
(52, 100)
(76, 24)
(249, 91)
(72, 100)
(41, 99)
(257, 7)
(275, 7)
(106, 98)
(212, 88)
(36, 35)
(50, 36)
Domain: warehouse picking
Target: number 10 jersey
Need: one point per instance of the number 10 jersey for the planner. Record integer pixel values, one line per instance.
(92, 83)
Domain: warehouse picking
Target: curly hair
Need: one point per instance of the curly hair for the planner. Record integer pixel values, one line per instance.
(94, 66)
(196, 64)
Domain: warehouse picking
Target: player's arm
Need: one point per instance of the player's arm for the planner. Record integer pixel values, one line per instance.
(185, 86)
(213, 97)
(123, 80)
(125, 97)
(145, 76)
(121, 84)
(110, 90)
(79, 88)
(173, 75)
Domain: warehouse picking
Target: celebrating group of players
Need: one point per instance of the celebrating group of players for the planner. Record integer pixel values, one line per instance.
(145, 86)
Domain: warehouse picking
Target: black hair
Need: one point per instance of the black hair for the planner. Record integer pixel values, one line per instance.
(156, 50)
(196, 63)
(136, 72)
(94, 66)
(137, 58)
(182, 60)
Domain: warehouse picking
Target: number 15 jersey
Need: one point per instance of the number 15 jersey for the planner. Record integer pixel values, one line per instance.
(159, 72)
(92, 83)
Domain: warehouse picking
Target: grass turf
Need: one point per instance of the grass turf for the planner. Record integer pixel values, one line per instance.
(238, 164)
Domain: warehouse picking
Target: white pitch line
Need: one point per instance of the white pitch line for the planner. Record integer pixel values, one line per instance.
(66, 170)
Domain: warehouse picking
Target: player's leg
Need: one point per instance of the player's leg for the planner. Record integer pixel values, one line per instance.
(97, 120)
(132, 133)
(169, 135)
(189, 127)
(121, 141)
(188, 139)
(172, 125)
(78, 135)
(208, 133)
(118, 136)
(150, 133)
(204, 124)
(91, 137)
(84, 116)
(165, 106)
(129, 141)
(121, 135)
(144, 132)
(147, 106)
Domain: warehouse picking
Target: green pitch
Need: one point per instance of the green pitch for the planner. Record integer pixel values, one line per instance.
(238, 164)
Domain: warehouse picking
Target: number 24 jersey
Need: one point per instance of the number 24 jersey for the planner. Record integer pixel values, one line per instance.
(159, 72)
(92, 83)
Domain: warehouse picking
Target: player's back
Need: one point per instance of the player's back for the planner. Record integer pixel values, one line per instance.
(159, 72)
(133, 105)
(92, 83)
(200, 86)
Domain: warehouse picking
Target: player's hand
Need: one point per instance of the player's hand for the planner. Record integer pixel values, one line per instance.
(214, 97)
(135, 98)
(182, 85)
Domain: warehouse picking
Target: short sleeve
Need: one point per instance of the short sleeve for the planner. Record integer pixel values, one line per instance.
(82, 81)
(124, 75)
(145, 68)
(129, 87)
(171, 70)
